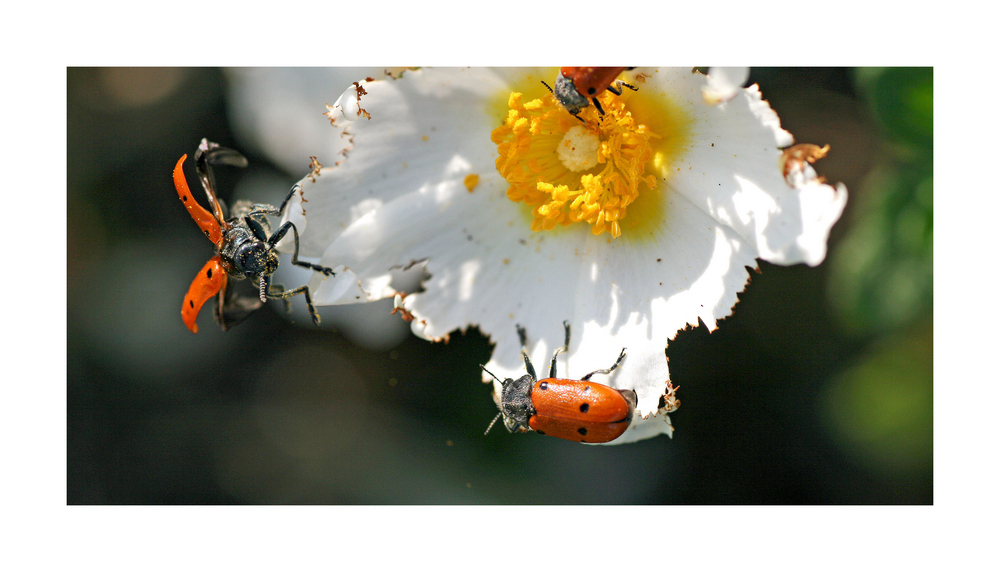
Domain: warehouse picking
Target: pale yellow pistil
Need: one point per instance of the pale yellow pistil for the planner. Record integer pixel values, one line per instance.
(572, 171)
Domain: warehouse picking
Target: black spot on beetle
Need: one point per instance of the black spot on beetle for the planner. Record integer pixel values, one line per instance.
(584, 408)
(543, 386)
(191, 303)
(184, 198)
(209, 273)
(582, 431)
(540, 432)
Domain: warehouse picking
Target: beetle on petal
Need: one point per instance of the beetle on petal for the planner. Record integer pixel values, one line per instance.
(576, 410)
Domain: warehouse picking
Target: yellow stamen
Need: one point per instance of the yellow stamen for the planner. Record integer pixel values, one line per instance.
(470, 181)
(572, 171)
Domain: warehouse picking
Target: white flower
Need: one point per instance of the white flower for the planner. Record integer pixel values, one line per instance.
(278, 111)
(724, 84)
(644, 223)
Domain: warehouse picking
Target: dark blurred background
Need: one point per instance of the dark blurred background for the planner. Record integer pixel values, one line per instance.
(817, 390)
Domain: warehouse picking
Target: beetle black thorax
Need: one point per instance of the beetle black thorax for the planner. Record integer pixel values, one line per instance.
(567, 94)
(243, 254)
(516, 403)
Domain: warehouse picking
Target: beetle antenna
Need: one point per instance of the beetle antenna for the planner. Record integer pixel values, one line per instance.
(498, 414)
(491, 373)
(492, 422)
(263, 290)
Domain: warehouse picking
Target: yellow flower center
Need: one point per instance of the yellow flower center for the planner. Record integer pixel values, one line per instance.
(571, 171)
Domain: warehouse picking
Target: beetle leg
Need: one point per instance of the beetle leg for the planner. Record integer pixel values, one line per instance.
(255, 227)
(559, 350)
(618, 90)
(605, 371)
(263, 209)
(288, 197)
(597, 104)
(280, 233)
(524, 351)
(278, 292)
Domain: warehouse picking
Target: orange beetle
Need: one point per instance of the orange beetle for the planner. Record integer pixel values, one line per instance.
(576, 410)
(243, 247)
(577, 87)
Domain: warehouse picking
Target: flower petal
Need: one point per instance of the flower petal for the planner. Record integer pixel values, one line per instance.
(400, 200)
(273, 110)
(731, 172)
(724, 84)
(419, 133)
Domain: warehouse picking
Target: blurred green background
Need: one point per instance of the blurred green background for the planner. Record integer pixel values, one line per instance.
(817, 390)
